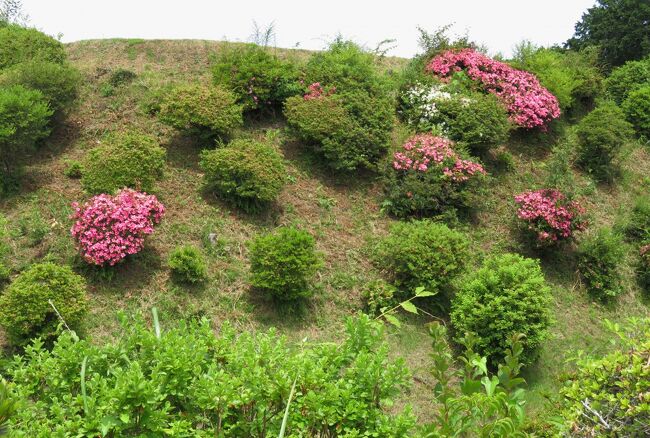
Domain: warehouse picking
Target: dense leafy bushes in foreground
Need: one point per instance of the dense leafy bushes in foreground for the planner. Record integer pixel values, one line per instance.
(26, 307)
(190, 382)
(506, 296)
(125, 159)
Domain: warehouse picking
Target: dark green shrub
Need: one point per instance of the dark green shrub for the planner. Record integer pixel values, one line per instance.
(283, 263)
(25, 309)
(627, 78)
(195, 381)
(187, 264)
(208, 111)
(638, 224)
(601, 134)
(505, 296)
(19, 44)
(74, 169)
(599, 263)
(247, 173)
(126, 159)
(24, 118)
(611, 389)
(58, 82)
(259, 79)
(422, 253)
(643, 269)
(121, 77)
(347, 67)
(637, 110)
(350, 130)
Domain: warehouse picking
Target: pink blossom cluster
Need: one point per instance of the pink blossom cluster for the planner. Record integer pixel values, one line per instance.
(529, 104)
(316, 91)
(422, 151)
(108, 228)
(550, 214)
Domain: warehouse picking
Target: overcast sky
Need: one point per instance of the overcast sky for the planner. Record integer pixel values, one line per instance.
(499, 24)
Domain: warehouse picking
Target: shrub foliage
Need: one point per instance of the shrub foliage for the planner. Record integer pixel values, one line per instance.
(599, 263)
(187, 264)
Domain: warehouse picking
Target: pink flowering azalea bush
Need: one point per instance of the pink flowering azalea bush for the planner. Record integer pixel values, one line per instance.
(550, 215)
(529, 104)
(316, 91)
(428, 176)
(108, 228)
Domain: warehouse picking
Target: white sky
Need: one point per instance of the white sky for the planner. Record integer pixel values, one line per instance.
(499, 24)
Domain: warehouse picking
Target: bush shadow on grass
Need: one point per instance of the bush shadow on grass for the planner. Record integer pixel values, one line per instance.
(264, 216)
(183, 151)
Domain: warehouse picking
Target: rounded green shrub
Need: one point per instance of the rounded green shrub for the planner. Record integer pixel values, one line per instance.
(248, 173)
(209, 111)
(24, 118)
(637, 227)
(505, 296)
(125, 159)
(19, 44)
(74, 169)
(478, 121)
(422, 253)
(378, 295)
(350, 130)
(259, 78)
(637, 110)
(600, 136)
(25, 309)
(283, 263)
(627, 78)
(599, 263)
(58, 82)
(187, 264)
(121, 76)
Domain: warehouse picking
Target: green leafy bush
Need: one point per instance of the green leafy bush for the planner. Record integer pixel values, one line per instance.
(125, 159)
(608, 396)
(637, 110)
(422, 253)
(19, 44)
(600, 135)
(505, 296)
(350, 130)
(25, 309)
(283, 263)
(643, 269)
(259, 79)
(637, 227)
(74, 169)
(24, 118)
(195, 381)
(627, 78)
(187, 264)
(58, 82)
(8, 406)
(248, 173)
(378, 295)
(599, 263)
(209, 111)
(121, 77)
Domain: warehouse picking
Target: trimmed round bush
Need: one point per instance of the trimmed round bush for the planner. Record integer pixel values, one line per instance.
(506, 295)
(58, 82)
(19, 44)
(247, 173)
(24, 118)
(283, 263)
(599, 263)
(25, 310)
(125, 159)
(422, 253)
(428, 176)
(351, 130)
(109, 228)
(259, 79)
(600, 135)
(187, 264)
(637, 110)
(627, 78)
(206, 110)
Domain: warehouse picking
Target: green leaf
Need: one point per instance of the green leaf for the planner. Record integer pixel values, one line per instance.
(391, 319)
(424, 293)
(409, 307)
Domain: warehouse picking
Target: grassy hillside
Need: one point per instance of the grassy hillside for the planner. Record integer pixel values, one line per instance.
(342, 212)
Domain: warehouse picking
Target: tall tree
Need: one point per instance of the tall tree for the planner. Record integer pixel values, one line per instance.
(621, 28)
